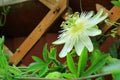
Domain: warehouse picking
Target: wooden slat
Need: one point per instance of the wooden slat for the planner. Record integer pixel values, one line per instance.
(114, 15)
(7, 51)
(36, 34)
(10, 2)
(49, 3)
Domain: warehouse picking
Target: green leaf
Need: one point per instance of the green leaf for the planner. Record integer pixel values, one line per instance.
(52, 54)
(68, 75)
(116, 3)
(82, 62)
(43, 71)
(116, 76)
(113, 67)
(15, 71)
(2, 40)
(34, 67)
(45, 53)
(3, 58)
(95, 54)
(97, 64)
(113, 51)
(8, 76)
(54, 75)
(37, 59)
(71, 65)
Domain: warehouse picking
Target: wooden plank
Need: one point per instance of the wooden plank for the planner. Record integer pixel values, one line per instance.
(7, 51)
(35, 35)
(49, 3)
(114, 15)
(10, 2)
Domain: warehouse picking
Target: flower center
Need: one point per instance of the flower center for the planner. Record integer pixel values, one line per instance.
(77, 28)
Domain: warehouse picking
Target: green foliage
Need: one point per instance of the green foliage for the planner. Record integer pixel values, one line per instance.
(55, 75)
(71, 65)
(116, 3)
(68, 75)
(98, 60)
(3, 62)
(113, 67)
(45, 53)
(82, 62)
(34, 67)
(114, 49)
(43, 71)
(50, 67)
(7, 72)
(15, 70)
(42, 67)
(76, 71)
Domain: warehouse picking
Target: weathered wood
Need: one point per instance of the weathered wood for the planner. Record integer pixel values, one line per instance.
(7, 51)
(49, 3)
(10, 2)
(114, 15)
(36, 34)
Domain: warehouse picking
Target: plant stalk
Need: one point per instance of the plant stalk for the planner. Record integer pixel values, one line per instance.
(81, 78)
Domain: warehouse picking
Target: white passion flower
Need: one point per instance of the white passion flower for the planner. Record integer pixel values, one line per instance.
(76, 32)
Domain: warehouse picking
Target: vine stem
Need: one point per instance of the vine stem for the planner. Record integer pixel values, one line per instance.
(81, 78)
(81, 5)
(94, 76)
